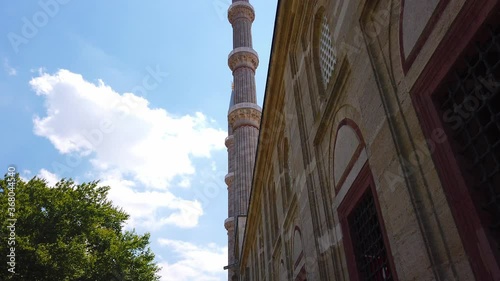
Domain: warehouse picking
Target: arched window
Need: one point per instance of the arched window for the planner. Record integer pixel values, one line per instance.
(326, 53)
(299, 267)
(297, 247)
(283, 274)
(284, 173)
(349, 150)
(274, 213)
(365, 240)
(261, 251)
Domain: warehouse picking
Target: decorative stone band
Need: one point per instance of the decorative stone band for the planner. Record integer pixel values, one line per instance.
(229, 223)
(240, 9)
(229, 179)
(244, 114)
(229, 141)
(243, 57)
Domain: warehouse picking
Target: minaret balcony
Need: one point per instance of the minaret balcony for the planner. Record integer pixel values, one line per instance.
(239, 10)
(243, 57)
(229, 223)
(229, 141)
(244, 114)
(229, 179)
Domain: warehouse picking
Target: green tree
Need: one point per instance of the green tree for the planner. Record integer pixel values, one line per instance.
(69, 232)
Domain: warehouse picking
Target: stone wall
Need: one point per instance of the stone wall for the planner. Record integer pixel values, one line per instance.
(316, 138)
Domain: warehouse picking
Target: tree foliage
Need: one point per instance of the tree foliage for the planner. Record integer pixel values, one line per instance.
(70, 232)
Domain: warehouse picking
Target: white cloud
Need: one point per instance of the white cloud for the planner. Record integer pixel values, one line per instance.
(122, 131)
(184, 182)
(51, 178)
(137, 150)
(40, 70)
(151, 209)
(25, 175)
(9, 69)
(200, 263)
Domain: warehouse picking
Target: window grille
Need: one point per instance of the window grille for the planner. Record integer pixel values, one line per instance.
(327, 57)
(470, 106)
(368, 243)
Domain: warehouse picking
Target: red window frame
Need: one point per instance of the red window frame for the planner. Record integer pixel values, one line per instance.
(461, 34)
(362, 184)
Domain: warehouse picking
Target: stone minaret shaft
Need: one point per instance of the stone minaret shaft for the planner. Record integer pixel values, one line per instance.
(244, 121)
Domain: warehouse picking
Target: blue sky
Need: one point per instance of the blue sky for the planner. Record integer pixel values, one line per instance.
(134, 93)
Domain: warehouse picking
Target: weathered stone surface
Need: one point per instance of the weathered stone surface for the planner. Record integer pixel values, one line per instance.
(290, 189)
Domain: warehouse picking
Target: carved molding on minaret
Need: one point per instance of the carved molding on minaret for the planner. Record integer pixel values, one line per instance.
(229, 141)
(229, 223)
(229, 179)
(244, 114)
(241, 9)
(243, 57)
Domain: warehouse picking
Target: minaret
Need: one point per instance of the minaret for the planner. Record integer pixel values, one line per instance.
(244, 121)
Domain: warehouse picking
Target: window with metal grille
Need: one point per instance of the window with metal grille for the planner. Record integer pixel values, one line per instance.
(327, 56)
(470, 105)
(368, 242)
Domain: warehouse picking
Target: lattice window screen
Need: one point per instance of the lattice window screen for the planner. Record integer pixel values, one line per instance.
(471, 111)
(327, 56)
(369, 247)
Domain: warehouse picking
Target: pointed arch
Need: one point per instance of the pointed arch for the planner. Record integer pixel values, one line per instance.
(347, 148)
(299, 267)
